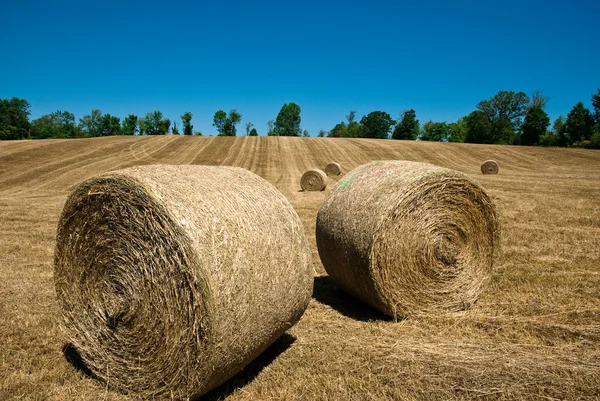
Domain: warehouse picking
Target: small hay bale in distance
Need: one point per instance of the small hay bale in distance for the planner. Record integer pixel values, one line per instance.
(172, 278)
(490, 167)
(313, 180)
(408, 238)
(333, 169)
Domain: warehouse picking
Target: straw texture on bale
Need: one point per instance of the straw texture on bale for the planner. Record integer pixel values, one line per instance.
(172, 278)
(313, 180)
(408, 238)
(333, 169)
(490, 167)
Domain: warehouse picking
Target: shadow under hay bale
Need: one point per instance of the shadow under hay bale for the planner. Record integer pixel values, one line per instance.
(171, 279)
(313, 180)
(490, 167)
(252, 370)
(73, 356)
(408, 238)
(327, 292)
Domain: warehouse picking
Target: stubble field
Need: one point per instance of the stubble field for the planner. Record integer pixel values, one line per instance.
(533, 334)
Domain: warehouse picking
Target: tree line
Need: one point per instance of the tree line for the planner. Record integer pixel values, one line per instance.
(15, 124)
(507, 118)
(510, 118)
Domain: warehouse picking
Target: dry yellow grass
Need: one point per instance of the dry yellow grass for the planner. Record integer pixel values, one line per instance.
(533, 334)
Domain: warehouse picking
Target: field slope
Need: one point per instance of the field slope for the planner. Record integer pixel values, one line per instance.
(534, 334)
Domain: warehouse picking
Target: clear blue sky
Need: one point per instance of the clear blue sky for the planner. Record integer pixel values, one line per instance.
(439, 57)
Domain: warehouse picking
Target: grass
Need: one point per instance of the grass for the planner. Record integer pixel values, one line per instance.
(533, 334)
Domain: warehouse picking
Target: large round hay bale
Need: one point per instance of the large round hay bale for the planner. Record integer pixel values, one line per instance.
(490, 167)
(333, 169)
(172, 278)
(408, 238)
(313, 180)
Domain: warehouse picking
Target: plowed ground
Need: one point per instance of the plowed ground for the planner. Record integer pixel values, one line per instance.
(534, 334)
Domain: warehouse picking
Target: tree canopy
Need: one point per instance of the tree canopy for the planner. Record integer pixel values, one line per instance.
(435, 131)
(226, 124)
(377, 124)
(535, 125)
(129, 125)
(579, 124)
(186, 119)
(14, 118)
(60, 124)
(408, 127)
(504, 113)
(288, 120)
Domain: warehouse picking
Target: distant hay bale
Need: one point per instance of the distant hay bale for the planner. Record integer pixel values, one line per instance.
(408, 238)
(172, 278)
(313, 180)
(333, 169)
(490, 167)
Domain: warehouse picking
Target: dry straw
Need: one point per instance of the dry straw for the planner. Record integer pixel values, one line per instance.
(408, 238)
(333, 169)
(490, 167)
(172, 278)
(313, 180)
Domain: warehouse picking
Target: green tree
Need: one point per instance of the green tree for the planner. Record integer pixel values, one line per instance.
(408, 127)
(457, 130)
(186, 119)
(435, 131)
(596, 106)
(154, 124)
(225, 124)
(504, 112)
(535, 125)
(353, 129)
(165, 125)
(478, 128)
(129, 125)
(339, 131)
(253, 132)
(322, 133)
(60, 124)
(559, 130)
(175, 128)
(376, 124)
(305, 133)
(90, 123)
(14, 118)
(232, 120)
(110, 125)
(579, 124)
(219, 120)
(288, 120)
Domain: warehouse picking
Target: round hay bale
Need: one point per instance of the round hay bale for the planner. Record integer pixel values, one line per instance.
(333, 169)
(172, 278)
(313, 180)
(490, 167)
(408, 238)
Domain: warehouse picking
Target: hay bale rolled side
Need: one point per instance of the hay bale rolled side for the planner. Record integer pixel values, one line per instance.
(490, 167)
(172, 278)
(333, 169)
(313, 180)
(408, 238)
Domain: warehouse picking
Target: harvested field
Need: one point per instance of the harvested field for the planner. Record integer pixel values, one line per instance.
(533, 334)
